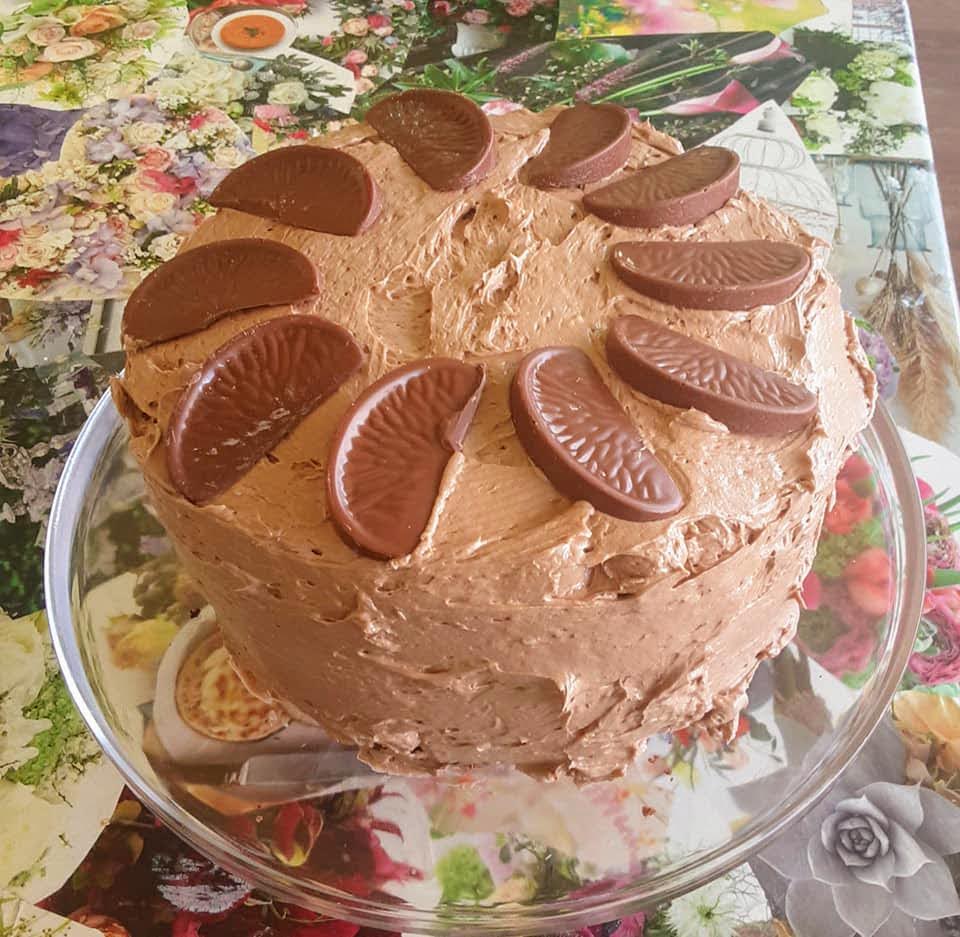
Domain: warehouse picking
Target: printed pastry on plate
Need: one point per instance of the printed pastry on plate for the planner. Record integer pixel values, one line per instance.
(530, 465)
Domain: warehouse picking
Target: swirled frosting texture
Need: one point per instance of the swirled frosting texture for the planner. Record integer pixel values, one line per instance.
(524, 628)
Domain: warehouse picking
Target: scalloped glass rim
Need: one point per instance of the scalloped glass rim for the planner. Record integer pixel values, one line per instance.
(98, 445)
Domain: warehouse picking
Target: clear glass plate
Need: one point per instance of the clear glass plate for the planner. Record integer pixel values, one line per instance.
(482, 853)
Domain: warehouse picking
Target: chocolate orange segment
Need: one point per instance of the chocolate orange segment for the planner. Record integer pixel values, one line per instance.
(443, 137)
(390, 451)
(199, 286)
(250, 394)
(587, 143)
(684, 372)
(579, 436)
(713, 275)
(682, 190)
(310, 187)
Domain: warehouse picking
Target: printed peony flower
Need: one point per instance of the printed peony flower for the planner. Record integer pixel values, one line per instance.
(890, 103)
(817, 92)
(97, 20)
(440, 8)
(476, 17)
(278, 114)
(868, 577)
(849, 509)
(70, 50)
(377, 20)
(291, 93)
(941, 664)
(46, 33)
(929, 725)
(355, 57)
(358, 26)
(140, 32)
(156, 157)
(519, 7)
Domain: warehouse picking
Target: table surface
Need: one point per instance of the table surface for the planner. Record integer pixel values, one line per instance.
(937, 32)
(829, 117)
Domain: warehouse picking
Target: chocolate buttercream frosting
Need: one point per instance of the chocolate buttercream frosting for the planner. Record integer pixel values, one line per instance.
(526, 626)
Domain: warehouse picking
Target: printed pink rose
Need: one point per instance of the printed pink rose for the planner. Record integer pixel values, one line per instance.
(942, 610)
(45, 34)
(377, 20)
(9, 236)
(849, 509)
(850, 653)
(868, 577)
(440, 8)
(156, 157)
(8, 256)
(355, 57)
(164, 182)
(277, 114)
(519, 7)
(70, 50)
(476, 17)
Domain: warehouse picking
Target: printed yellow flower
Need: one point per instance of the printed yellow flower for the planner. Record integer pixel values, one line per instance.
(930, 727)
(356, 27)
(142, 134)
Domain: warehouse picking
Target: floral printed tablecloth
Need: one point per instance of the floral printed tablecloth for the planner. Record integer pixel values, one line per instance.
(117, 119)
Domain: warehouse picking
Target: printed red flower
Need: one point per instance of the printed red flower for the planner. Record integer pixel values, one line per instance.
(812, 593)
(849, 509)
(108, 926)
(925, 489)
(294, 832)
(33, 279)
(164, 182)
(9, 236)
(868, 578)
(858, 472)
(440, 8)
(299, 135)
(743, 726)
(377, 20)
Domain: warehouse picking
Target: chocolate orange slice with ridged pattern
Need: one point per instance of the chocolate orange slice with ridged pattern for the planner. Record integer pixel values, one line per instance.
(312, 187)
(199, 286)
(578, 435)
(712, 274)
(443, 137)
(684, 372)
(390, 451)
(678, 191)
(588, 142)
(250, 394)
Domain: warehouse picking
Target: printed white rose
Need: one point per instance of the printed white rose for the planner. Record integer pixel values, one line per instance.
(227, 157)
(148, 204)
(45, 33)
(71, 49)
(105, 73)
(140, 32)
(818, 92)
(35, 253)
(890, 103)
(129, 55)
(165, 246)
(356, 27)
(291, 93)
(363, 85)
(143, 134)
(134, 8)
(828, 126)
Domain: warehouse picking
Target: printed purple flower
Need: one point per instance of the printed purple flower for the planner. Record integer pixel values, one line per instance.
(109, 148)
(882, 360)
(31, 136)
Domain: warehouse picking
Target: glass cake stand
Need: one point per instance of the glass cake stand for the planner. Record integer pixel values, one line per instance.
(302, 819)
